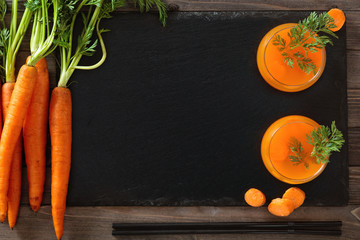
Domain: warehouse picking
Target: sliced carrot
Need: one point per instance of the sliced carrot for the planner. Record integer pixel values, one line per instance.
(255, 197)
(296, 195)
(339, 18)
(281, 207)
(35, 135)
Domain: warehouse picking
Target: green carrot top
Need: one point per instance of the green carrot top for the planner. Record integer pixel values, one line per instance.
(305, 36)
(70, 55)
(41, 41)
(16, 35)
(4, 35)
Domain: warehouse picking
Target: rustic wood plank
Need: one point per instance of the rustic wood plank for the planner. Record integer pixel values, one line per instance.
(352, 30)
(354, 146)
(353, 108)
(95, 223)
(354, 185)
(353, 71)
(235, 5)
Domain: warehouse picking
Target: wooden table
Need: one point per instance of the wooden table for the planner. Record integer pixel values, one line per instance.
(95, 222)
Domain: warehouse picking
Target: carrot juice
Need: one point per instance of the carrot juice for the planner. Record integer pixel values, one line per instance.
(276, 152)
(276, 72)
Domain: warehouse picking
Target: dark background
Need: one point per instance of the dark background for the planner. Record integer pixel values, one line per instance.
(175, 116)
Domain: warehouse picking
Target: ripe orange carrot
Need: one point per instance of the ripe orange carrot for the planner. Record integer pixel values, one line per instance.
(296, 195)
(339, 18)
(35, 135)
(281, 207)
(60, 132)
(14, 191)
(255, 197)
(19, 103)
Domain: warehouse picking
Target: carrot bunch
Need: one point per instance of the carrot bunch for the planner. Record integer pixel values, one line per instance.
(25, 104)
(15, 100)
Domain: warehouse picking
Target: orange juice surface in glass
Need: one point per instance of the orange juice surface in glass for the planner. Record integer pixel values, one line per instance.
(276, 72)
(275, 150)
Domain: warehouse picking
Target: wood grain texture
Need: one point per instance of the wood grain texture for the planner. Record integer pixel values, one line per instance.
(235, 5)
(354, 185)
(354, 146)
(95, 223)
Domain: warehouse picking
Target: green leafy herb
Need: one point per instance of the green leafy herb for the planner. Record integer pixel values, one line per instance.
(324, 141)
(71, 53)
(305, 35)
(299, 155)
(4, 36)
(146, 5)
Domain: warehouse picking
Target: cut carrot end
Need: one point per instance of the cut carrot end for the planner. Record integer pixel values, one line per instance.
(296, 195)
(281, 207)
(255, 197)
(339, 18)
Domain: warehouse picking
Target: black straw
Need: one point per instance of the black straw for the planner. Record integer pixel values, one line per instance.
(300, 227)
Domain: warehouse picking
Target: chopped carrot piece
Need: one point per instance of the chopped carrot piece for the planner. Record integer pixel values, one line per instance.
(255, 197)
(339, 18)
(296, 195)
(281, 207)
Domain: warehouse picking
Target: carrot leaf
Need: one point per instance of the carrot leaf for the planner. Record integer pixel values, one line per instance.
(325, 140)
(146, 5)
(299, 154)
(305, 35)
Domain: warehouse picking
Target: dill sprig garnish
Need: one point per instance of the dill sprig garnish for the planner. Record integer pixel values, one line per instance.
(324, 141)
(299, 154)
(305, 35)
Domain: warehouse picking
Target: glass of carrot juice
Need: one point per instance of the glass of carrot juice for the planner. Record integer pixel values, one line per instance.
(276, 152)
(276, 72)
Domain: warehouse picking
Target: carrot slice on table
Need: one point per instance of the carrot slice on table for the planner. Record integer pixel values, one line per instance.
(35, 135)
(296, 195)
(281, 207)
(255, 197)
(339, 18)
(14, 192)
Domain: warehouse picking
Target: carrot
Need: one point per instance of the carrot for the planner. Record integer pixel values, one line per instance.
(281, 207)
(35, 135)
(19, 103)
(339, 18)
(14, 192)
(60, 132)
(296, 195)
(255, 197)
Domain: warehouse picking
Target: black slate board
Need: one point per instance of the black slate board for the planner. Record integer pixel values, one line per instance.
(175, 116)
